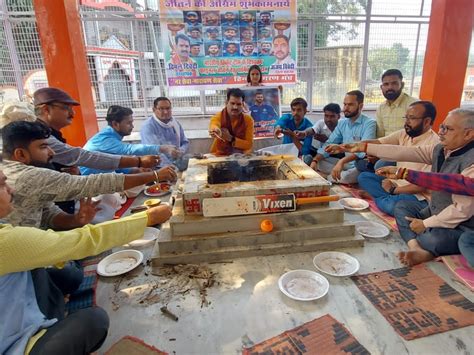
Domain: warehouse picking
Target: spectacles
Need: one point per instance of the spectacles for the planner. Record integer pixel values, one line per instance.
(445, 129)
(63, 107)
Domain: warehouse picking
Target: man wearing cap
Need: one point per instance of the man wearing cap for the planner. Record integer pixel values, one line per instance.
(191, 18)
(212, 33)
(54, 108)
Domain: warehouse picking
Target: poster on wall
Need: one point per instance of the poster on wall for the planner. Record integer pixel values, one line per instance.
(212, 43)
(263, 104)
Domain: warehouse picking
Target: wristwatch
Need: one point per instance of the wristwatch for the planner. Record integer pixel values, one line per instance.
(392, 190)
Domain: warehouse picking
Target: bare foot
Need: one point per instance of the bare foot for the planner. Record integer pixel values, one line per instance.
(414, 257)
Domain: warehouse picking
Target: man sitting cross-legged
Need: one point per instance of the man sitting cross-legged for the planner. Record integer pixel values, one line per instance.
(290, 124)
(386, 193)
(28, 328)
(355, 126)
(434, 230)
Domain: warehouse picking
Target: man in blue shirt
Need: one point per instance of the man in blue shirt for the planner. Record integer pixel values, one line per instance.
(353, 128)
(109, 140)
(289, 123)
(162, 128)
(263, 115)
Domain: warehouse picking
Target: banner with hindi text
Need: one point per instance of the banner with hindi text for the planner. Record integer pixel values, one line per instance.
(209, 44)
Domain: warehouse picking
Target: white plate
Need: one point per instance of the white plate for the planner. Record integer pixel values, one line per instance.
(354, 204)
(371, 229)
(150, 235)
(335, 263)
(119, 263)
(303, 285)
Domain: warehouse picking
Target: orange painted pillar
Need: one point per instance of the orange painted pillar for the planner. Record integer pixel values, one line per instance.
(65, 60)
(447, 52)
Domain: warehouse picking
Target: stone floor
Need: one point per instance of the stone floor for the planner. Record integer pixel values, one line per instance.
(245, 306)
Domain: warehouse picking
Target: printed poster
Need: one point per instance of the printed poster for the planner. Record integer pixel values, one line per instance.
(212, 43)
(263, 104)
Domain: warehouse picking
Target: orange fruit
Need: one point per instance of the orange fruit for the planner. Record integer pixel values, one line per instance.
(266, 226)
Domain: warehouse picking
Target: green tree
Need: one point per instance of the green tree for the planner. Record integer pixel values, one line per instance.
(383, 58)
(331, 30)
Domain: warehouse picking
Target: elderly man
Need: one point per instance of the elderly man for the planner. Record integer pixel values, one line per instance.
(109, 140)
(54, 108)
(354, 127)
(435, 230)
(419, 119)
(27, 326)
(232, 129)
(163, 128)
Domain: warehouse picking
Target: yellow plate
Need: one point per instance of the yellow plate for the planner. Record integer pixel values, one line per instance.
(152, 202)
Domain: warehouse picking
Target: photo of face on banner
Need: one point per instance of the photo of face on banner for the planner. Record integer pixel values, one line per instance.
(264, 107)
(233, 37)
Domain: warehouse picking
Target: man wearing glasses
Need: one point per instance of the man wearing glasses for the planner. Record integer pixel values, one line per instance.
(417, 131)
(434, 230)
(162, 128)
(54, 108)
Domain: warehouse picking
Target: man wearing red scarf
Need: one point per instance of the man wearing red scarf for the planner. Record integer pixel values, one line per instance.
(232, 129)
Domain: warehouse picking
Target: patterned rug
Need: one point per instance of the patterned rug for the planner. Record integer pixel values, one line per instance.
(323, 335)
(373, 207)
(416, 302)
(84, 297)
(458, 265)
(133, 346)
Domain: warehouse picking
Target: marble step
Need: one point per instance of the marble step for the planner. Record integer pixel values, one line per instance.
(182, 225)
(230, 253)
(169, 243)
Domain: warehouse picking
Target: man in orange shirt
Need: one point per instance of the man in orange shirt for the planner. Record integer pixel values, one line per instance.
(180, 62)
(232, 129)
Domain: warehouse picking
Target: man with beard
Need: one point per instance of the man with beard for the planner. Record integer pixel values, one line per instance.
(355, 126)
(390, 114)
(54, 109)
(27, 154)
(232, 129)
(247, 49)
(214, 49)
(434, 230)
(28, 327)
(109, 140)
(386, 193)
(281, 51)
(231, 49)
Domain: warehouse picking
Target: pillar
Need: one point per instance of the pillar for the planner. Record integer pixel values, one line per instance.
(62, 44)
(447, 52)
